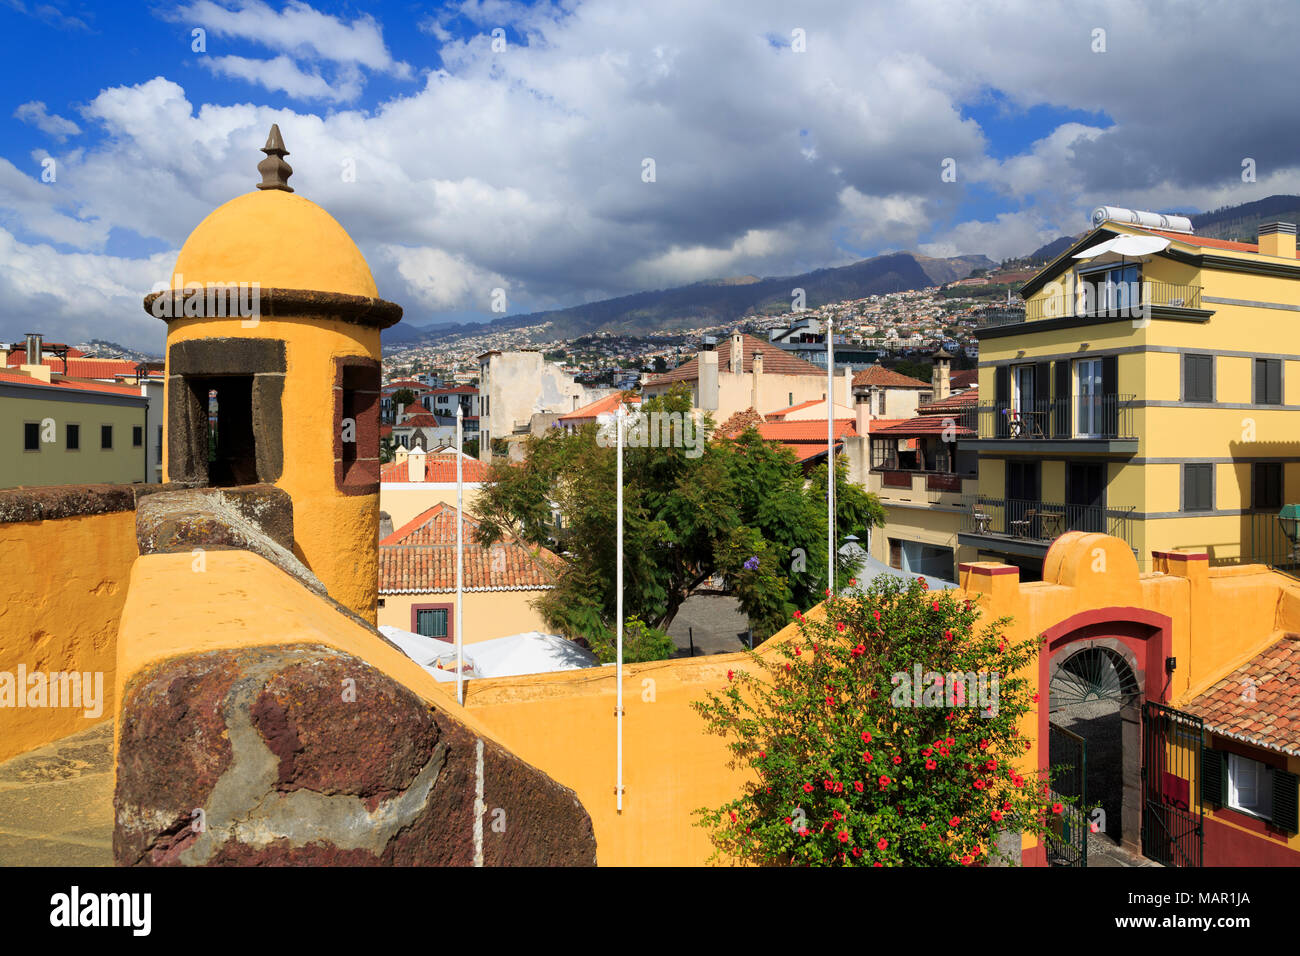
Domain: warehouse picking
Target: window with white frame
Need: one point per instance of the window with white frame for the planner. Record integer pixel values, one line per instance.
(1250, 786)
(1088, 392)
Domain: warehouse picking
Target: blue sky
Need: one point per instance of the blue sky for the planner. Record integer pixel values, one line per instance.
(480, 167)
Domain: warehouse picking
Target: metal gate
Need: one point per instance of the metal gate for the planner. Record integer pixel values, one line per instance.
(1173, 831)
(1067, 838)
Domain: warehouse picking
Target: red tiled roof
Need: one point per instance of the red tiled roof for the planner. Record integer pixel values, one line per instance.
(878, 375)
(800, 432)
(965, 378)
(876, 424)
(60, 382)
(778, 415)
(419, 420)
(924, 425)
(403, 383)
(606, 405)
(437, 468)
(1259, 702)
(776, 361)
(952, 402)
(455, 390)
(81, 367)
(1194, 240)
(420, 558)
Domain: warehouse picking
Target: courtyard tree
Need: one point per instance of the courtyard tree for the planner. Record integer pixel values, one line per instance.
(698, 508)
(885, 733)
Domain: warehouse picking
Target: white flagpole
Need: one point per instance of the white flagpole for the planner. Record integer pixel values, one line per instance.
(830, 453)
(460, 561)
(618, 559)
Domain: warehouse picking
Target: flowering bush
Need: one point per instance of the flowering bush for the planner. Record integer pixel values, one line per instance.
(852, 764)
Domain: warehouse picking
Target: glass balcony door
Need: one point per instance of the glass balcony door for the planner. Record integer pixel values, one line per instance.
(1088, 399)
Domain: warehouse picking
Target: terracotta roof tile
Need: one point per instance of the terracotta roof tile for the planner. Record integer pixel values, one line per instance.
(1259, 702)
(437, 468)
(878, 375)
(606, 405)
(776, 361)
(420, 558)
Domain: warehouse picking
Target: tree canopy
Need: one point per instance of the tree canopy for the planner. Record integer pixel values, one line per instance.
(741, 508)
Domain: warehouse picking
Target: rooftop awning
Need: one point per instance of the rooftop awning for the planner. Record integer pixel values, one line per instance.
(1129, 247)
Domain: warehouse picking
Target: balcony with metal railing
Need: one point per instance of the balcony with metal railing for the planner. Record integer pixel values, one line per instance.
(1100, 299)
(1076, 419)
(1016, 521)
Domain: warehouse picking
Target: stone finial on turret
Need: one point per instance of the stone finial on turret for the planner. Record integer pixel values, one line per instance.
(275, 171)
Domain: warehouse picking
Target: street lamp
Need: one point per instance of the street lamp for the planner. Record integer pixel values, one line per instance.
(1289, 519)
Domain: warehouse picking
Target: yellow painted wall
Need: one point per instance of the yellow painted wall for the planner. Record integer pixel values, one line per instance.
(488, 614)
(335, 535)
(61, 596)
(54, 463)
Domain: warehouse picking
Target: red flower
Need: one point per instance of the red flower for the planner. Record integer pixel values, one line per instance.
(877, 863)
(762, 754)
(883, 781)
(1002, 645)
(991, 765)
(787, 666)
(1057, 808)
(798, 651)
(788, 821)
(967, 860)
(803, 831)
(934, 605)
(984, 745)
(925, 585)
(897, 760)
(949, 741)
(857, 851)
(882, 843)
(927, 751)
(844, 837)
(996, 816)
(866, 755)
(876, 615)
(853, 582)
(954, 821)
(798, 615)
(930, 764)
(866, 736)
(807, 788)
(830, 702)
(922, 826)
(1034, 698)
(733, 816)
(980, 784)
(828, 592)
(730, 674)
(857, 785)
(947, 635)
(836, 815)
(840, 627)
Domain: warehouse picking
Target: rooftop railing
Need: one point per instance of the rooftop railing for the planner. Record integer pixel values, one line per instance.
(1041, 521)
(1081, 417)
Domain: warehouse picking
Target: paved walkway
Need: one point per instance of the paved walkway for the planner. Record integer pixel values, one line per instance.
(715, 623)
(56, 803)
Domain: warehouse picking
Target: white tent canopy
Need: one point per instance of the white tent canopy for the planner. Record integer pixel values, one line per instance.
(529, 653)
(1129, 247)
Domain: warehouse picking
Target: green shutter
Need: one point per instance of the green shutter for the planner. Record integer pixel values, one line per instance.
(1286, 801)
(1214, 776)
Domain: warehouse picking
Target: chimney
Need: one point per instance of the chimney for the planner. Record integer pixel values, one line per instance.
(398, 419)
(737, 353)
(755, 379)
(34, 338)
(758, 362)
(941, 376)
(862, 408)
(1277, 239)
(708, 381)
(415, 463)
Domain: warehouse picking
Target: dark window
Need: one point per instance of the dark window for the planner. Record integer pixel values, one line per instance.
(74, 437)
(160, 444)
(1198, 487)
(137, 436)
(1267, 484)
(1268, 381)
(105, 436)
(431, 622)
(31, 436)
(1198, 378)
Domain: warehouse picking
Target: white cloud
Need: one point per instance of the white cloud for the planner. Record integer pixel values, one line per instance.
(51, 124)
(282, 74)
(523, 169)
(299, 30)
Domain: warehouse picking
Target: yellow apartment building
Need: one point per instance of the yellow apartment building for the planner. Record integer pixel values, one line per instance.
(1146, 391)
